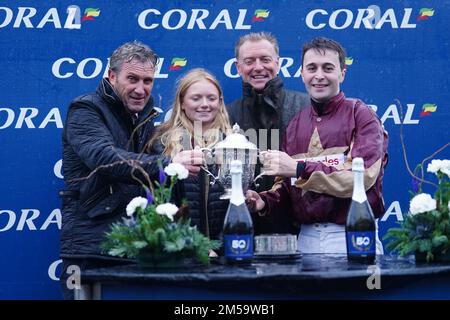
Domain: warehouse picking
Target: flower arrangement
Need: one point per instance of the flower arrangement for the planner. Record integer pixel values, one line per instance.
(425, 231)
(156, 228)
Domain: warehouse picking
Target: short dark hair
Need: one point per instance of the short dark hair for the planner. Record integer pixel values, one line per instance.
(129, 51)
(321, 44)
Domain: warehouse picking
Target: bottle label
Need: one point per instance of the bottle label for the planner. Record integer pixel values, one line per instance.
(238, 246)
(361, 243)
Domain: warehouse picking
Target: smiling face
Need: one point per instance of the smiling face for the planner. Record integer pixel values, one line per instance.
(257, 63)
(133, 84)
(201, 102)
(322, 74)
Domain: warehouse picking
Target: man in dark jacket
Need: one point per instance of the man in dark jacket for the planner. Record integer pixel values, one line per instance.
(103, 139)
(265, 108)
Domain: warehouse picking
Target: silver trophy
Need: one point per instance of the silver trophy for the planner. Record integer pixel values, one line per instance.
(234, 147)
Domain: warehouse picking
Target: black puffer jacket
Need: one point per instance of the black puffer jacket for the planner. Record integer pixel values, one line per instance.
(97, 133)
(206, 209)
(272, 108)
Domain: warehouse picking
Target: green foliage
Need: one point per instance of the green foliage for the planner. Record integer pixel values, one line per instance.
(155, 232)
(125, 240)
(425, 233)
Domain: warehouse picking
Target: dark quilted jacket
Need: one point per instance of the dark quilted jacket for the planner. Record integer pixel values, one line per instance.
(206, 210)
(97, 133)
(272, 108)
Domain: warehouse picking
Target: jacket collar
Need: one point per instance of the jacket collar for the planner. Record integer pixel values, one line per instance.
(330, 105)
(106, 91)
(272, 90)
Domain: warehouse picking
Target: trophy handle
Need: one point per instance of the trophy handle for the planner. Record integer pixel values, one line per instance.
(204, 168)
(206, 149)
(259, 176)
(214, 178)
(260, 156)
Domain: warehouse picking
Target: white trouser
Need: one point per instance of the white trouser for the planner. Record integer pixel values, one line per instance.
(327, 238)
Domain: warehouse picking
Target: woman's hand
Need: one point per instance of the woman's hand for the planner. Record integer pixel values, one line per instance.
(192, 160)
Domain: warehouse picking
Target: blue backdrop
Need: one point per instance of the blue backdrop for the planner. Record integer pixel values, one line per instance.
(53, 51)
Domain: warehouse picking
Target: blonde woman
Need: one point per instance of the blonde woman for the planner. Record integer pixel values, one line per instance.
(198, 119)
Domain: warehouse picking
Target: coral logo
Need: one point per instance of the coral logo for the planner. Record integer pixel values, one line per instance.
(260, 15)
(177, 63)
(427, 109)
(30, 17)
(91, 67)
(30, 117)
(396, 110)
(368, 18)
(348, 61)
(29, 219)
(201, 19)
(425, 13)
(90, 13)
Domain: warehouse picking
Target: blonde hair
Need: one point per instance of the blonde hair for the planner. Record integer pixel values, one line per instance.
(174, 133)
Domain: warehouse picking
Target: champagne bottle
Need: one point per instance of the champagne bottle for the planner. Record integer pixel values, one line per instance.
(238, 224)
(360, 226)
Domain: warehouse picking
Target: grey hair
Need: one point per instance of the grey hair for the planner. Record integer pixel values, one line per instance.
(257, 36)
(130, 51)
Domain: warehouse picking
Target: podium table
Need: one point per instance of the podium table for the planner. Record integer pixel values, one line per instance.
(310, 276)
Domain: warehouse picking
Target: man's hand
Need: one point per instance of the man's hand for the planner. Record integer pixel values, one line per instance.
(254, 201)
(278, 163)
(192, 160)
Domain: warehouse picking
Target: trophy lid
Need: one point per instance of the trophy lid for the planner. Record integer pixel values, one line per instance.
(235, 140)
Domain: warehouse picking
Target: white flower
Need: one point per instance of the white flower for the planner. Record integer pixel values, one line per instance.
(422, 202)
(138, 202)
(176, 169)
(167, 209)
(439, 165)
(434, 166)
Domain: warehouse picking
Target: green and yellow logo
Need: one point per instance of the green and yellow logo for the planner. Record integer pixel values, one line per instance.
(427, 109)
(90, 13)
(348, 61)
(425, 13)
(260, 15)
(177, 63)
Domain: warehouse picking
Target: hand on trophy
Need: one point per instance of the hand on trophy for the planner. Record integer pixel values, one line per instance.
(192, 160)
(254, 201)
(278, 163)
